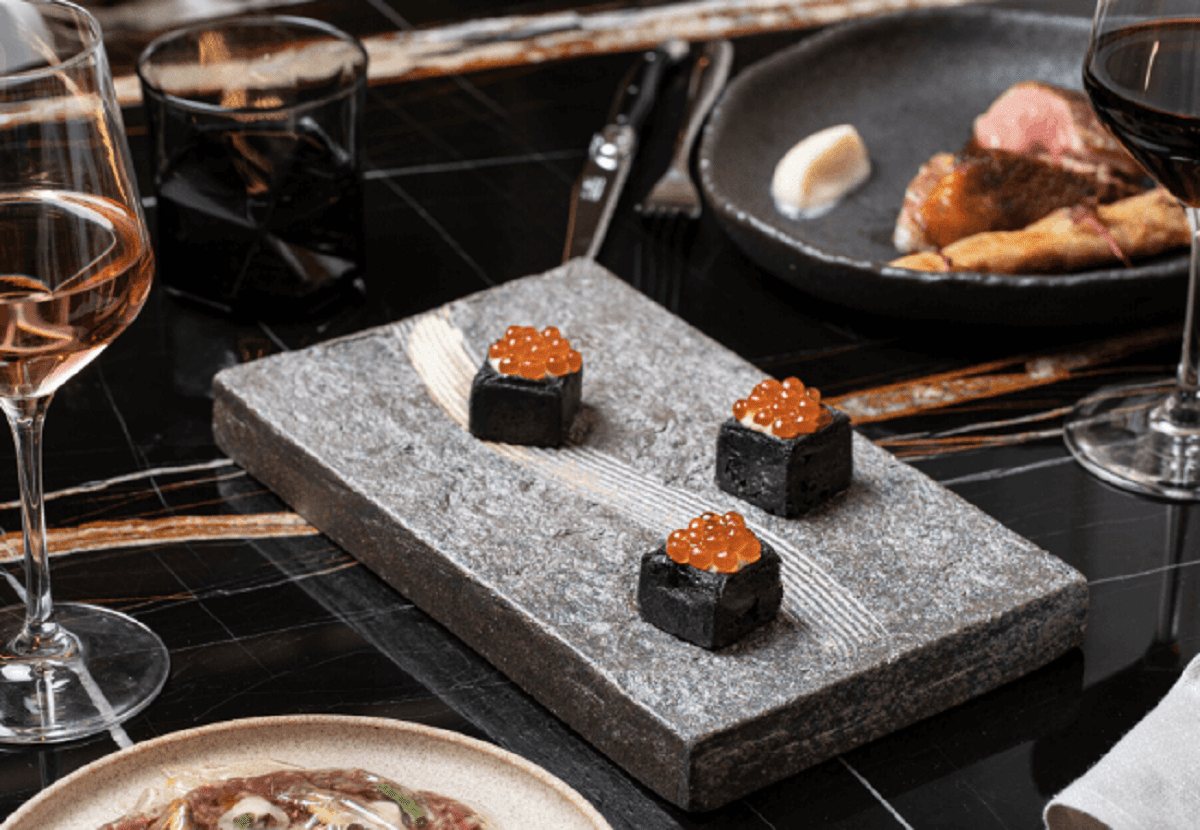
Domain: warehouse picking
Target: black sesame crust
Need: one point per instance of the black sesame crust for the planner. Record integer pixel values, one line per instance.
(516, 410)
(785, 476)
(712, 610)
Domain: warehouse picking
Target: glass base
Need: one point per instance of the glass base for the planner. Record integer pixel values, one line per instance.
(114, 668)
(1123, 435)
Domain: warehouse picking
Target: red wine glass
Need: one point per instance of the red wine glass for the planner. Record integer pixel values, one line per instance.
(75, 269)
(1142, 74)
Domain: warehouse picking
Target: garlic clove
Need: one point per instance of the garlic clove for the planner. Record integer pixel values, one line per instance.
(818, 171)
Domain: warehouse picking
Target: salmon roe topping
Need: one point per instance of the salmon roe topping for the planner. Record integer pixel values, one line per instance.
(784, 409)
(714, 542)
(532, 354)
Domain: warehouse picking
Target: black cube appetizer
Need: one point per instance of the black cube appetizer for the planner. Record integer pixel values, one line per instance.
(712, 583)
(783, 450)
(527, 390)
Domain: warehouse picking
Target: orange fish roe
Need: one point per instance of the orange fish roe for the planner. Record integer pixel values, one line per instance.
(783, 409)
(715, 542)
(532, 354)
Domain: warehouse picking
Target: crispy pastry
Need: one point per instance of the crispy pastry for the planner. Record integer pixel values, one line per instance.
(1069, 239)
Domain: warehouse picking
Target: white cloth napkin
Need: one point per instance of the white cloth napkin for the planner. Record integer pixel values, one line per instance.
(1150, 780)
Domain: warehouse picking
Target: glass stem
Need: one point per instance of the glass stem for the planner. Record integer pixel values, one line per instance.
(1184, 409)
(40, 633)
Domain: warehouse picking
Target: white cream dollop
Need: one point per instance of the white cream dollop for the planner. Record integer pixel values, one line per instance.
(748, 421)
(815, 174)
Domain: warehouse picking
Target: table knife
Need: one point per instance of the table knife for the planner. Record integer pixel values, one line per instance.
(611, 151)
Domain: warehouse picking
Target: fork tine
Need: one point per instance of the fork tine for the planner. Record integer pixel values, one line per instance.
(673, 205)
(675, 192)
(683, 246)
(661, 260)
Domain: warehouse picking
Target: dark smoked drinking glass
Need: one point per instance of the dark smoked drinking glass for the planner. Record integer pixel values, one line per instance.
(256, 125)
(1142, 73)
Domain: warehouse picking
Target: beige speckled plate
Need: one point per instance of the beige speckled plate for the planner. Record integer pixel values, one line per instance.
(509, 790)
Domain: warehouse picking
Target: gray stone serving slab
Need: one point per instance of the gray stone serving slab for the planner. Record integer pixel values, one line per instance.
(901, 599)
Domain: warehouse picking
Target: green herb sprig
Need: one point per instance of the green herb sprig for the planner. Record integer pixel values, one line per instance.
(406, 804)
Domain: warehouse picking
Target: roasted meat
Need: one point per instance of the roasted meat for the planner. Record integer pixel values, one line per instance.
(1056, 125)
(1036, 149)
(992, 190)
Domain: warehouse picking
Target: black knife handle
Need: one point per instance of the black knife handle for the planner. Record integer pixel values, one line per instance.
(640, 86)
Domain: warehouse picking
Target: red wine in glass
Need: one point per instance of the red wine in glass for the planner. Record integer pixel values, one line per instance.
(1140, 81)
(1141, 74)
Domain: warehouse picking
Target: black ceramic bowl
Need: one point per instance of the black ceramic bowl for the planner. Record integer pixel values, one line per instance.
(912, 84)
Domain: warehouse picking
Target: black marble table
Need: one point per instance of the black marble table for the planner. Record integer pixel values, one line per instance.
(468, 182)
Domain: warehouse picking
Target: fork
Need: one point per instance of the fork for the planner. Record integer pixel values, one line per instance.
(675, 193)
(673, 204)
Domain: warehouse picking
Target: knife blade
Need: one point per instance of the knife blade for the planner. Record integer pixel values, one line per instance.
(611, 151)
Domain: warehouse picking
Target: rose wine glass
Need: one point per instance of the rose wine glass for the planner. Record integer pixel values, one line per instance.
(1142, 73)
(75, 269)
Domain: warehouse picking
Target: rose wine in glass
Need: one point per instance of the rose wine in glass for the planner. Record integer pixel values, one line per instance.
(75, 269)
(1142, 74)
